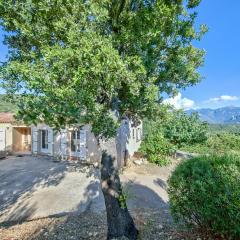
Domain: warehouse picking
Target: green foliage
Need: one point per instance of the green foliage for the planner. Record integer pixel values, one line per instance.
(204, 191)
(73, 62)
(156, 147)
(217, 143)
(181, 129)
(6, 106)
(170, 130)
(224, 128)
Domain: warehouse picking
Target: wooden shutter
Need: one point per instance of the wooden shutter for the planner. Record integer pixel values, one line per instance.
(34, 140)
(2, 140)
(83, 147)
(64, 142)
(50, 141)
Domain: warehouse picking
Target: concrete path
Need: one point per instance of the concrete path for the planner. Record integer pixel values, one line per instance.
(146, 188)
(35, 187)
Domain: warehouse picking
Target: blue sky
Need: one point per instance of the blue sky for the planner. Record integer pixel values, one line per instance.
(221, 86)
(221, 83)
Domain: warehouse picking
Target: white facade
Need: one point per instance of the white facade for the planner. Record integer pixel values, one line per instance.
(80, 143)
(70, 143)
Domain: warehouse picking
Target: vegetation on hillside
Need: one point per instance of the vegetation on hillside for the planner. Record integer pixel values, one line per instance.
(171, 131)
(6, 106)
(225, 128)
(175, 130)
(221, 139)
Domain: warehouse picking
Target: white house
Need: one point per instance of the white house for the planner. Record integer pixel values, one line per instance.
(70, 143)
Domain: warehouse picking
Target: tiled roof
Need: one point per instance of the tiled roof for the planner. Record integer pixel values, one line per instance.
(7, 117)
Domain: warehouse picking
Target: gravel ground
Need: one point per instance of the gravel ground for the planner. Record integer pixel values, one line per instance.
(91, 226)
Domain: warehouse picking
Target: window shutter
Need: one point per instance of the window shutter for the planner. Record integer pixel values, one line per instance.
(83, 147)
(50, 141)
(34, 140)
(2, 140)
(64, 142)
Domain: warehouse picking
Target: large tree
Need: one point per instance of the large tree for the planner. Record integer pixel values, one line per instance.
(78, 61)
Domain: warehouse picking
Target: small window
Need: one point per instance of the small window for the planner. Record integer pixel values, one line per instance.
(44, 136)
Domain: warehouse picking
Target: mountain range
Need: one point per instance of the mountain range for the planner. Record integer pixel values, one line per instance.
(225, 115)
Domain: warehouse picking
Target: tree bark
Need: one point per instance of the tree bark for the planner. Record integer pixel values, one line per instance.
(120, 222)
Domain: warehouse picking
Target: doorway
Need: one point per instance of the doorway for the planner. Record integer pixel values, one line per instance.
(21, 139)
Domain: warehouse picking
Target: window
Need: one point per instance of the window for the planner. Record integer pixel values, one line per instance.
(75, 141)
(44, 139)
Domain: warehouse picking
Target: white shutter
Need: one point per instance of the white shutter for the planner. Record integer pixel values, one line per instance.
(50, 141)
(34, 140)
(64, 142)
(2, 140)
(83, 148)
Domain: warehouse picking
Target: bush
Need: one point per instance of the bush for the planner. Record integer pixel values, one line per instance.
(156, 148)
(182, 129)
(178, 128)
(217, 143)
(224, 142)
(204, 191)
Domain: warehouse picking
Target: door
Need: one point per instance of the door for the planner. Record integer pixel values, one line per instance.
(2, 142)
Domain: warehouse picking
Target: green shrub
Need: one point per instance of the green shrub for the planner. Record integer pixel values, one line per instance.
(178, 128)
(217, 143)
(181, 129)
(224, 142)
(205, 192)
(156, 148)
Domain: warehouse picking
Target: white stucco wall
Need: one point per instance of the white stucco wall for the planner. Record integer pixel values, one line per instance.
(126, 142)
(135, 138)
(9, 140)
(36, 149)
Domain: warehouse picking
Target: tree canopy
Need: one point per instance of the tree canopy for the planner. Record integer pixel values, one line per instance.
(78, 61)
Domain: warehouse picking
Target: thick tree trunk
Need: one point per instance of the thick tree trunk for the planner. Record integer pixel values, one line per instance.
(120, 222)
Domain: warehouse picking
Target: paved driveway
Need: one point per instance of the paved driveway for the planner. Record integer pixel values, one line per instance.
(34, 187)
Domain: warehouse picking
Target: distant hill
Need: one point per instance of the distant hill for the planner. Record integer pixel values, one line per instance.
(225, 115)
(6, 106)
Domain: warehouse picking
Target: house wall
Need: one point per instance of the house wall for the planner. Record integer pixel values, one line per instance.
(9, 136)
(93, 150)
(135, 139)
(123, 146)
(36, 140)
(62, 145)
(14, 136)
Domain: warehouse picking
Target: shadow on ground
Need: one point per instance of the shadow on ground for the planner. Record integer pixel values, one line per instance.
(92, 225)
(21, 178)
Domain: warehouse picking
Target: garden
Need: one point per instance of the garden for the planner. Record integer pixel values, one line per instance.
(203, 191)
